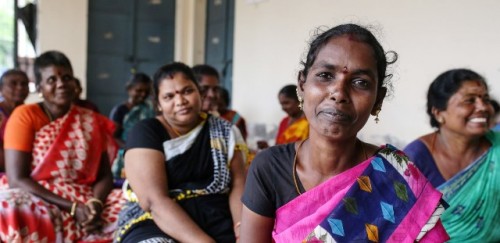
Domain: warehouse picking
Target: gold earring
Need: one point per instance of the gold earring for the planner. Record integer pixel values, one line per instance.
(440, 120)
(376, 115)
(301, 101)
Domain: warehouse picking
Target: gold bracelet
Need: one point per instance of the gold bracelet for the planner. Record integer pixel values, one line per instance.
(96, 201)
(73, 209)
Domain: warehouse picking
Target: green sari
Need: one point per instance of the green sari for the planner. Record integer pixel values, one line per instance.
(136, 114)
(474, 198)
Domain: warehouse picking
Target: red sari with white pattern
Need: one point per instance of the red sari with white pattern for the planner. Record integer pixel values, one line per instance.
(66, 157)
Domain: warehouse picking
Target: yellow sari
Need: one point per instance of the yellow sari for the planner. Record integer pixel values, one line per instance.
(297, 131)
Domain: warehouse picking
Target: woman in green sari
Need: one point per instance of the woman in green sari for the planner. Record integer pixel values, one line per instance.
(462, 158)
(127, 114)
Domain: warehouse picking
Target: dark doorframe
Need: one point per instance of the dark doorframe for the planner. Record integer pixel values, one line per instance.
(219, 39)
(125, 37)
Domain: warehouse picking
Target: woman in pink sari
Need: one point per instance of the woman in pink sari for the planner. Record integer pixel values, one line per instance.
(58, 183)
(333, 187)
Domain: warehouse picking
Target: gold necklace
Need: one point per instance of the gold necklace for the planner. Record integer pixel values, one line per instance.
(47, 112)
(171, 128)
(294, 172)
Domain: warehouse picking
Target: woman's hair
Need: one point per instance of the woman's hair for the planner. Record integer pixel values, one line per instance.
(202, 70)
(168, 71)
(139, 78)
(12, 72)
(445, 86)
(360, 34)
(496, 106)
(50, 58)
(224, 95)
(289, 91)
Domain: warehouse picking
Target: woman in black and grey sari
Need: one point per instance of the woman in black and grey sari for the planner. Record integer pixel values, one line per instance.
(184, 168)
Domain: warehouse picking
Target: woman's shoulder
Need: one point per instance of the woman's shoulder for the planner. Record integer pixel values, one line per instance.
(388, 150)
(284, 120)
(415, 147)
(417, 156)
(28, 108)
(269, 181)
(494, 137)
(275, 157)
(120, 106)
(119, 110)
(419, 147)
(217, 119)
(147, 133)
(147, 129)
(219, 124)
(149, 124)
(29, 113)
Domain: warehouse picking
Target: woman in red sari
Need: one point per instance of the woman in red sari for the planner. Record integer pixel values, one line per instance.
(58, 184)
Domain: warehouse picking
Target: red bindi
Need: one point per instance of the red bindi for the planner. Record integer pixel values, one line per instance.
(345, 70)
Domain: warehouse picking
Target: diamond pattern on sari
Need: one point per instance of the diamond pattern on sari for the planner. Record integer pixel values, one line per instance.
(387, 211)
(372, 216)
(350, 205)
(401, 191)
(372, 232)
(336, 226)
(378, 164)
(364, 183)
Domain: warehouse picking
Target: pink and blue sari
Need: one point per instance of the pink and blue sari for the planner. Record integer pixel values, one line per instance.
(383, 199)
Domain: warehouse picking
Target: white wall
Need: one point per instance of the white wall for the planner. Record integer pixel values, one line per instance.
(271, 37)
(429, 36)
(62, 26)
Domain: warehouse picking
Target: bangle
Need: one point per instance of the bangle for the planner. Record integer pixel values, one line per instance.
(73, 209)
(95, 200)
